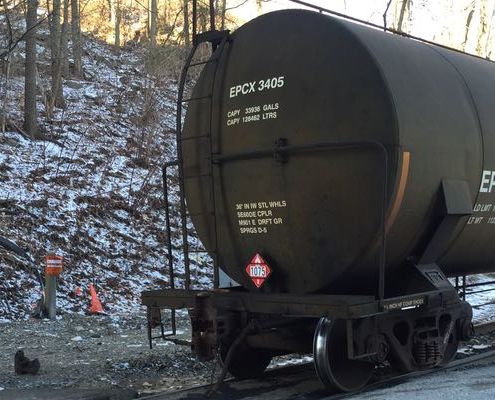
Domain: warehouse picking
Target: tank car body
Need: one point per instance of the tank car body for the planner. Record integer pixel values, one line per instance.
(358, 164)
(299, 78)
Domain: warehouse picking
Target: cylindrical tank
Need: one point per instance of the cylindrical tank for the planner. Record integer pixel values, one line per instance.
(306, 80)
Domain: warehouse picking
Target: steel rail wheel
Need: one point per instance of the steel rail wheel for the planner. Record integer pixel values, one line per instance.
(333, 367)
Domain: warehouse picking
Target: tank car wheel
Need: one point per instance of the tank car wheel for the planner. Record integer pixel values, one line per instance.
(333, 367)
(246, 362)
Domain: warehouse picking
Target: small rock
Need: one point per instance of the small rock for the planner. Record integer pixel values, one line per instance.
(77, 339)
(79, 328)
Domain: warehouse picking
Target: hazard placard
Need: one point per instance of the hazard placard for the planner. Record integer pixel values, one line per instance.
(258, 270)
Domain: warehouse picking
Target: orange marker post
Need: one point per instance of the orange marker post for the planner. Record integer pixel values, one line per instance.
(53, 269)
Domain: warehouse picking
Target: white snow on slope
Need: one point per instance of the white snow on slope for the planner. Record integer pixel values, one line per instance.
(91, 190)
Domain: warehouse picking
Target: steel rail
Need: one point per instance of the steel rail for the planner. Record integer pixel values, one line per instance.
(396, 379)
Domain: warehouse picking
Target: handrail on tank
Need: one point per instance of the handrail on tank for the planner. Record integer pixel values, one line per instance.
(331, 145)
(382, 28)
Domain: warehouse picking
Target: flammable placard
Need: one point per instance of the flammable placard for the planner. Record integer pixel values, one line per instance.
(258, 270)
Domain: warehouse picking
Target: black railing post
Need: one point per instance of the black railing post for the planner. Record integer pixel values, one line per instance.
(171, 274)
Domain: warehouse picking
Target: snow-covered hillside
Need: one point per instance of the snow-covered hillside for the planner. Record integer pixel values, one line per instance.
(91, 190)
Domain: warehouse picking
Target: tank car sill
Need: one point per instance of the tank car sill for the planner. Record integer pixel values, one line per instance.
(291, 305)
(216, 314)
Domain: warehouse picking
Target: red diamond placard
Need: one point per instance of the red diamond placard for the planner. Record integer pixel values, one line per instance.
(258, 270)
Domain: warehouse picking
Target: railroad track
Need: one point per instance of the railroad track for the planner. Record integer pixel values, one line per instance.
(300, 382)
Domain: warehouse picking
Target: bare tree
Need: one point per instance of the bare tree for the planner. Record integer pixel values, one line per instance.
(118, 17)
(385, 14)
(259, 6)
(405, 7)
(468, 26)
(3, 118)
(482, 37)
(111, 11)
(165, 8)
(223, 11)
(30, 115)
(186, 32)
(489, 41)
(76, 38)
(401, 10)
(7, 68)
(57, 99)
(64, 59)
(153, 17)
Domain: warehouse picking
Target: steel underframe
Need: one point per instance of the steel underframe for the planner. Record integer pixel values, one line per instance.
(297, 306)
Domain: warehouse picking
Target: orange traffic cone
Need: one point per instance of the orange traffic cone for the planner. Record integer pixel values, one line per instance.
(96, 307)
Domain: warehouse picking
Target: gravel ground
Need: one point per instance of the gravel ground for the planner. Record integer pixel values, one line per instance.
(102, 352)
(98, 352)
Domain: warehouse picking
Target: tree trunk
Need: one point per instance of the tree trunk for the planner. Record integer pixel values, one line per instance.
(30, 115)
(259, 6)
(165, 14)
(63, 42)
(482, 28)
(153, 17)
(5, 94)
(489, 42)
(186, 32)
(203, 18)
(7, 78)
(111, 11)
(76, 38)
(404, 7)
(385, 14)
(118, 16)
(222, 14)
(468, 26)
(55, 41)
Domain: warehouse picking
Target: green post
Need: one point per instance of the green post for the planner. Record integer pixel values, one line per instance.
(51, 296)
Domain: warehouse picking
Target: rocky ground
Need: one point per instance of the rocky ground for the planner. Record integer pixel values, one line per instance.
(98, 352)
(105, 351)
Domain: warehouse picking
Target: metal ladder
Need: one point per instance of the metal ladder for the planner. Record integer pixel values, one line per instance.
(217, 39)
